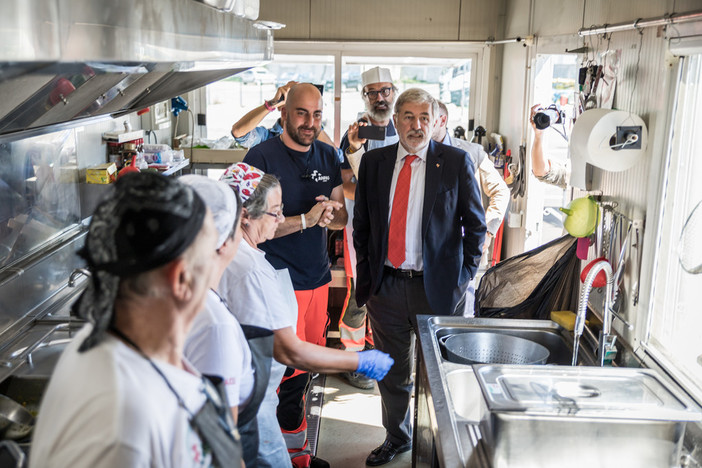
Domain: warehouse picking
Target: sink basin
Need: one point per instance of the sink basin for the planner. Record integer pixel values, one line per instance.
(544, 332)
(450, 406)
(465, 394)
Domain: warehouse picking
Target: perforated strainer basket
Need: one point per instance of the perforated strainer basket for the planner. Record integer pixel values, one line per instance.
(493, 348)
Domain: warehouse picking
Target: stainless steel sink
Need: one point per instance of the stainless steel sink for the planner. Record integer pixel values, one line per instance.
(544, 332)
(449, 399)
(547, 416)
(467, 401)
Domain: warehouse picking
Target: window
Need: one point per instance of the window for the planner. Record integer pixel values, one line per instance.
(675, 333)
(448, 72)
(230, 99)
(555, 82)
(447, 79)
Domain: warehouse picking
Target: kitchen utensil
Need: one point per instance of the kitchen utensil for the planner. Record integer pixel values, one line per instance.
(486, 347)
(600, 279)
(131, 168)
(15, 421)
(582, 214)
(690, 247)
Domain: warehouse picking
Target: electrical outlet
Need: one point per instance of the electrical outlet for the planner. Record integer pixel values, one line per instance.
(202, 120)
(628, 133)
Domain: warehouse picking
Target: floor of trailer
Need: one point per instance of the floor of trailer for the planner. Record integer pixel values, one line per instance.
(350, 425)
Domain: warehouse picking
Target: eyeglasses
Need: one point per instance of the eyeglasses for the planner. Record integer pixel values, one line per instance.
(385, 92)
(278, 215)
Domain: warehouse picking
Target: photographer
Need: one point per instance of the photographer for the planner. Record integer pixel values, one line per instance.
(545, 169)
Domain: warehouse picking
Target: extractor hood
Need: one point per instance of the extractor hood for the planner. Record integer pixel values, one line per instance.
(63, 60)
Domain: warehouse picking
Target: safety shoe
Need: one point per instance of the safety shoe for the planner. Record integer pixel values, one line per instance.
(358, 380)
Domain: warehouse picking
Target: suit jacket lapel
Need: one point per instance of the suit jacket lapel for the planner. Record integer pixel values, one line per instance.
(435, 167)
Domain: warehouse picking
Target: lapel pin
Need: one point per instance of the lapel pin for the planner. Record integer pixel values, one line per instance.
(437, 164)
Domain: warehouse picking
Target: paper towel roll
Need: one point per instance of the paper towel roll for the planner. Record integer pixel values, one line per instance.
(591, 136)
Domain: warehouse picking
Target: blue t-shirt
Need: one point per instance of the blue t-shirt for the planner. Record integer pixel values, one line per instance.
(260, 134)
(304, 253)
(390, 139)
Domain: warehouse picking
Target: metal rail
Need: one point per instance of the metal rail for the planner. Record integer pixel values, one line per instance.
(640, 23)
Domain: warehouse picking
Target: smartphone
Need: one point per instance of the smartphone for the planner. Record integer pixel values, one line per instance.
(371, 132)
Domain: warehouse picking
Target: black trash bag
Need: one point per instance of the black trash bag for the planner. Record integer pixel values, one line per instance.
(533, 284)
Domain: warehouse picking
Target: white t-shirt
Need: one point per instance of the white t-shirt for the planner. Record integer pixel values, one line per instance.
(252, 288)
(259, 295)
(108, 407)
(216, 345)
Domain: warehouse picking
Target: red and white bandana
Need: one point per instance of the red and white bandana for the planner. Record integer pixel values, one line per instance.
(244, 178)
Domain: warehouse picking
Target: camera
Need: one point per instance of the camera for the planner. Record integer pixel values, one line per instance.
(548, 116)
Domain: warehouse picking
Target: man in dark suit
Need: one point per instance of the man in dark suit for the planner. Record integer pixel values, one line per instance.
(419, 226)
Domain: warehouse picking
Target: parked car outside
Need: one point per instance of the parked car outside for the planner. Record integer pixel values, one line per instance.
(257, 75)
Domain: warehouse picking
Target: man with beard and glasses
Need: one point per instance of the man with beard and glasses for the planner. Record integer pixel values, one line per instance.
(378, 95)
(310, 177)
(419, 227)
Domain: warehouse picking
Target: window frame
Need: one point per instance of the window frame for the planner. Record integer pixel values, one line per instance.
(478, 52)
(652, 354)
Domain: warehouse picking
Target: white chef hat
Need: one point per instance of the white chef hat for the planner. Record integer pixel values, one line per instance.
(221, 201)
(376, 75)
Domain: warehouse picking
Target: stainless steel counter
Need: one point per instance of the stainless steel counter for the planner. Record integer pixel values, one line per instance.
(449, 403)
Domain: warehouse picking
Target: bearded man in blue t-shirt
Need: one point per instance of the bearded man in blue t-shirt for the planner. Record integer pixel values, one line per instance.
(313, 199)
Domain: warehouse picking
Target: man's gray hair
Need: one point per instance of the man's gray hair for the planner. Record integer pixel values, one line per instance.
(443, 110)
(418, 96)
(257, 204)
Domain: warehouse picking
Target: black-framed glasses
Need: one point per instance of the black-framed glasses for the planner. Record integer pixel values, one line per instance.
(277, 215)
(385, 92)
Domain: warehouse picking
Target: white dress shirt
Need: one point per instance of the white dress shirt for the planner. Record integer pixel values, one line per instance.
(415, 205)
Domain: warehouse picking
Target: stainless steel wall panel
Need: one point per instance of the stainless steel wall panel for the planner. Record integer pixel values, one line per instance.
(599, 12)
(640, 89)
(684, 5)
(554, 18)
(516, 18)
(294, 14)
(394, 20)
(387, 20)
(481, 20)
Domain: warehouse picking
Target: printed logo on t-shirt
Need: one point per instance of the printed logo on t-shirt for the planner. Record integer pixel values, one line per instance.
(318, 177)
(199, 455)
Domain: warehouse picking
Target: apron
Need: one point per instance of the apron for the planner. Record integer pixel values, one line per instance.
(272, 451)
(260, 342)
(215, 426)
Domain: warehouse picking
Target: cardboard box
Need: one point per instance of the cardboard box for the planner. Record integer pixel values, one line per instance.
(213, 156)
(102, 174)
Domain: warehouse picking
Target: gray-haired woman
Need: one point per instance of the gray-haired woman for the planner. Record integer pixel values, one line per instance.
(262, 296)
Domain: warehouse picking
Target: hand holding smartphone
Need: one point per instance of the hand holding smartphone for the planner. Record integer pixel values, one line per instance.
(371, 132)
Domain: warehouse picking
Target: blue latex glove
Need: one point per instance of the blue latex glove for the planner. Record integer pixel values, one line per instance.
(374, 364)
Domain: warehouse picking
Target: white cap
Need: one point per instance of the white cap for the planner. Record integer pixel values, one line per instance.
(219, 198)
(376, 75)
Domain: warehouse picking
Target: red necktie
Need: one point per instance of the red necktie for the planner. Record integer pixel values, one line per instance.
(398, 215)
